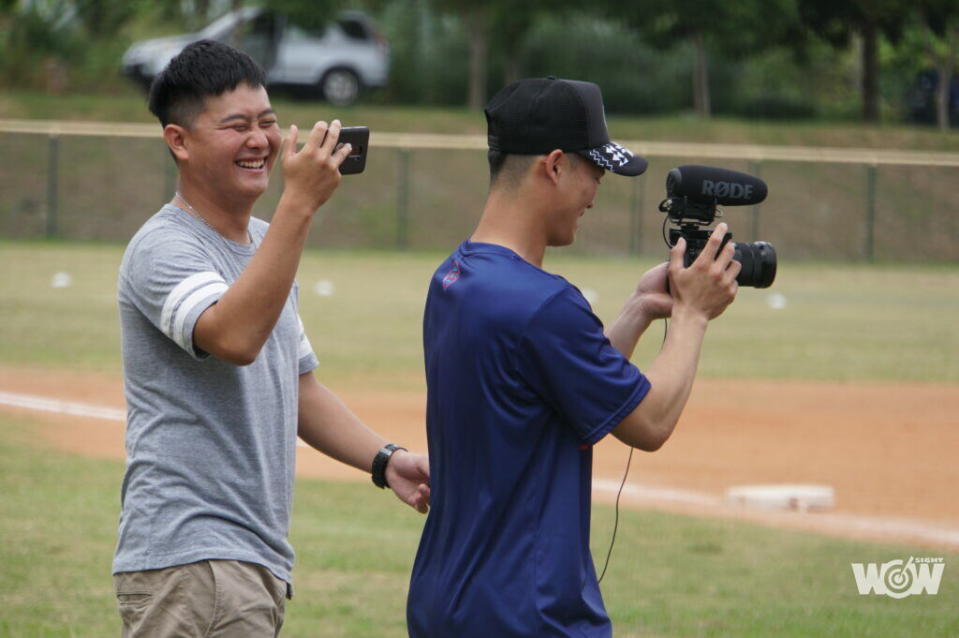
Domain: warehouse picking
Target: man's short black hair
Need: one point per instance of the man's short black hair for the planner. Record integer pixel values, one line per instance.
(496, 160)
(508, 169)
(203, 69)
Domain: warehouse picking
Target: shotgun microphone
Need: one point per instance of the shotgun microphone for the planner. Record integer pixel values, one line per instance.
(715, 186)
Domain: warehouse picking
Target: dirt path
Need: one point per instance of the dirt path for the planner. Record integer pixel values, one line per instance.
(891, 451)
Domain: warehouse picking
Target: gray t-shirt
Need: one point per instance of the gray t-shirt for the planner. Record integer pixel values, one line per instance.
(211, 446)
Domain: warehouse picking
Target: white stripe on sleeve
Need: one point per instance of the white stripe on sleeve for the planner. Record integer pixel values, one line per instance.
(216, 288)
(179, 293)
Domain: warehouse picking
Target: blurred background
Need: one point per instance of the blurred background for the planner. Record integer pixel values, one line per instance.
(852, 60)
(745, 83)
(845, 373)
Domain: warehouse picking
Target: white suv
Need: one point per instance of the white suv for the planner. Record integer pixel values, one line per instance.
(347, 57)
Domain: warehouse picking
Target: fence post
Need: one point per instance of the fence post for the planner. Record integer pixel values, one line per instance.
(756, 167)
(869, 249)
(403, 199)
(635, 210)
(53, 184)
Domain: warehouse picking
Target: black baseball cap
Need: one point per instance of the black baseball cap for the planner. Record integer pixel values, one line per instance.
(538, 115)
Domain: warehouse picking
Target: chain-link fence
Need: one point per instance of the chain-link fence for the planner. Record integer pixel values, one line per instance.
(101, 182)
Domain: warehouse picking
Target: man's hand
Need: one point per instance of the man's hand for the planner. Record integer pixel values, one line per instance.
(650, 301)
(652, 295)
(408, 475)
(709, 285)
(311, 174)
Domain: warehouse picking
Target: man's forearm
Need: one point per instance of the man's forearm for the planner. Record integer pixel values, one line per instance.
(671, 376)
(673, 371)
(328, 425)
(628, 327)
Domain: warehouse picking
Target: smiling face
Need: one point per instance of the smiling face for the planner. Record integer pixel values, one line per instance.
(577, 190)
(231, 145)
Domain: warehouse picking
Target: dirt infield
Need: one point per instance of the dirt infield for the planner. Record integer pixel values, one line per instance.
(889, 450)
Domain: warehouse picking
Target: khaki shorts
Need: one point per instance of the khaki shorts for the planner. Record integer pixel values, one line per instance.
(212, 599)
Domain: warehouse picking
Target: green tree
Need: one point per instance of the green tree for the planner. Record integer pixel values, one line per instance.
(837, 21)
(502, 24)
(940, 22)
(6, 18)
(736, 28)
(308, 14)
(477, 19)
(38, 40)
(511, 24)
(101, 18)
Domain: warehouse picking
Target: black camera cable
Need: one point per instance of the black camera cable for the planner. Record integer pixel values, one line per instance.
(622, 484)
(612, 541)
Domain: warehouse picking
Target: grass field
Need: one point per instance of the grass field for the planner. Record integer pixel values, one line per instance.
(839, 322)
(670, 575)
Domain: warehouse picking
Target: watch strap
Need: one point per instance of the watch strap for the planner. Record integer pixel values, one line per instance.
(380, 461)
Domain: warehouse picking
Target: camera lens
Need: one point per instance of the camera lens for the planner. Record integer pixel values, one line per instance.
(759, 264)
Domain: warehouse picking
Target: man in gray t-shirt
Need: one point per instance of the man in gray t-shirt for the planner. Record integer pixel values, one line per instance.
(218, 369)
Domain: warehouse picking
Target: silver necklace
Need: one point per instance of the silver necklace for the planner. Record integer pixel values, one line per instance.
(196, 213)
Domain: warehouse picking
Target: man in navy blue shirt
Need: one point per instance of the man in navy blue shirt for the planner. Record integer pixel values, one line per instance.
(523, 380)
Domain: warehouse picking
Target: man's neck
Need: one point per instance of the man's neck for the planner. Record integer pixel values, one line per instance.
(508, 222)
(227, 218)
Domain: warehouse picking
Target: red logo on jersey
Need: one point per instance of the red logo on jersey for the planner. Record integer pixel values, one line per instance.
(452, 276)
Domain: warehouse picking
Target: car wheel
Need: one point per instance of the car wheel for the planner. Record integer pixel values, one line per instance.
(340, 87)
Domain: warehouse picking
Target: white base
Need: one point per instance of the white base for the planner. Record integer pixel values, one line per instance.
(800, 498)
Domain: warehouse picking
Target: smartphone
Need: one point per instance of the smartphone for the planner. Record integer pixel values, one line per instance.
(358, 137)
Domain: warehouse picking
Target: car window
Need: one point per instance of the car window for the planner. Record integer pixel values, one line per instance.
(262, 25)
(354, 29)
(220, 27)
(296, 33)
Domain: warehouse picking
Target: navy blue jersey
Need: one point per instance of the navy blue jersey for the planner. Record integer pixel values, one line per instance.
(521, 383)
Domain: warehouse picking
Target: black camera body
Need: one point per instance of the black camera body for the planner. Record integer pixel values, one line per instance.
(693, 194)
(758, 258)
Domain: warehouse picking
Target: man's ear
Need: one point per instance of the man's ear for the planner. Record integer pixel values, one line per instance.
(553, 165)
(175, 137)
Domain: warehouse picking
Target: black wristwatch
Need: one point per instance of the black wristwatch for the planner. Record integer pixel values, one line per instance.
(380, 462)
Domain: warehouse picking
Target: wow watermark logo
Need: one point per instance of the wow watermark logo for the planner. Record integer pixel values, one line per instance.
(898, 578)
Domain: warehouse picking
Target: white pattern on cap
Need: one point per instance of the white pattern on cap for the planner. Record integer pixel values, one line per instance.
(611, 156)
